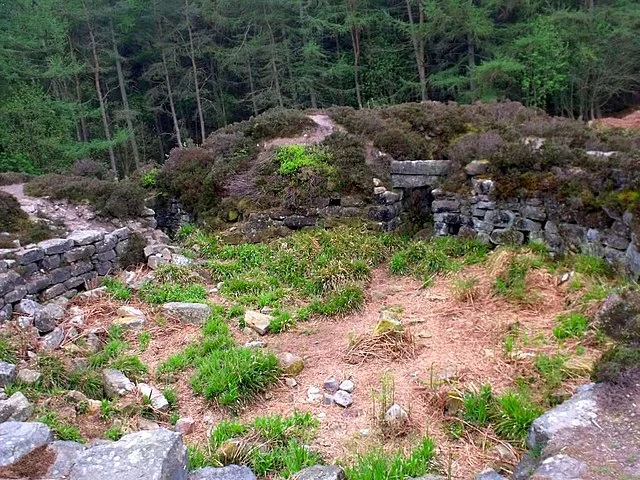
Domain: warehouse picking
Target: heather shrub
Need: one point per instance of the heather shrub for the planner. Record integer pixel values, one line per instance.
(346, 153)
(122, 200)
(474, 146)
(86, 167)
(278, 123)
(11, 178)
(125, 201)
(12, 217)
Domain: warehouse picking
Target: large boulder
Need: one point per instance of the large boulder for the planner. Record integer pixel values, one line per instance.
(619, 316)
(579, 411)
(66, 455)
(230, 472)
(189, 313)
(150, 454)
(18, 439)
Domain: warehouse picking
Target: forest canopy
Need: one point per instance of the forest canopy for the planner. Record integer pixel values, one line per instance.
(124, 81)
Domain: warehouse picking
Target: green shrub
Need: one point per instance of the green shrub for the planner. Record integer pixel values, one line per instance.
(276, 123)
(12, 217)
(571, 325)
(125, 201)
(292, 158)
(86, 167)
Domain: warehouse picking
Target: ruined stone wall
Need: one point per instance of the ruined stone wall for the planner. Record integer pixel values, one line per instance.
(518, 221)
(58, 267)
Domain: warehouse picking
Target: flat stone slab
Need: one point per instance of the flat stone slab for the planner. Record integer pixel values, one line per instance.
(420, 167)
(150, 454)
(188, 313)
(414, 181)
(85, 237)
(18, 439)
(259, 322)
(321, 472)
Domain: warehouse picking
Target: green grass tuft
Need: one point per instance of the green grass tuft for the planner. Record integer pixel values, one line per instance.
(571, 325)
(514, 414)
(477, 406)
(61, 430)
(117, 289)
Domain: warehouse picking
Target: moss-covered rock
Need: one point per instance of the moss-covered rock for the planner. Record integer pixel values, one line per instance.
(619, 364)
(619, 316)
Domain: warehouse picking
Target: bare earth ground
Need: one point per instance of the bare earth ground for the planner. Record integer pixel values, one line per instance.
(631, 120)
(324, 127)
(455, 338)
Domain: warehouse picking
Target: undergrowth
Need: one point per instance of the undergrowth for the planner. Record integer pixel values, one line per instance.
(223, 372)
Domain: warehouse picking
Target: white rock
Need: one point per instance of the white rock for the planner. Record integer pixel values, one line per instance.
(347, 386)
(28, 377)
(291, 382)
(155, 396)
(314, 394)
(257, 321)
(342, 398)
(395, 415)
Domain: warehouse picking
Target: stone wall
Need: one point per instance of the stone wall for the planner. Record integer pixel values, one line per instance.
(561, 226)
(58, 267)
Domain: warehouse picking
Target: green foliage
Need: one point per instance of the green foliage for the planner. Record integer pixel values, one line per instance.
(514, 414)
(117, 289)
(478, 406)
(172, 397)
(377, 465)
(113, 433)
(144, 339)
(571, 325)
(8, 351)
(294, 157)
(107, 409)
(88, 382)
(60, 429)
(591, 266)
(53, 373)
(551, 368)
(512, 283)
(130, 365)
(439, 255)
(157, 293)
(149, 178)
(325, 266)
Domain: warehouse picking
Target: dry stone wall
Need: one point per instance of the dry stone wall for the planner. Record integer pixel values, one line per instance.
(517, 221)
(58, 267)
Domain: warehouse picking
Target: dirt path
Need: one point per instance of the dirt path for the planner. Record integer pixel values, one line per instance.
(58, 212)
(325, 126)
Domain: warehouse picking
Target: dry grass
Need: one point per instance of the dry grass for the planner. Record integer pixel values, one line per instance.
(387, 346)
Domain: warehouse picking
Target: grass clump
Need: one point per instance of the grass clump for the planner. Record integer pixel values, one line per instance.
(224, 373)
(144, 339)
(376, 465)
(53, 374)
(551, 368)
(61, 430)
(271, 446)
(571, 325)
(592, 266)
(511, 282)
(478, 406)
(440, 255)
(117, 289)
(292, 158)
(157, 293)
(514, 414)
(322, 271)
(113, 433)
(8, 351)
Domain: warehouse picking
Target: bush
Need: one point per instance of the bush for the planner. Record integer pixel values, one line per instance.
(12, 178)
(277, 123)
(294, 157)
(121, 200)
(618, 365)
(86, 167)
(12, 217)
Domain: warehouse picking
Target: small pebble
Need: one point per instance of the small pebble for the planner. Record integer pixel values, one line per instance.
(291, 382)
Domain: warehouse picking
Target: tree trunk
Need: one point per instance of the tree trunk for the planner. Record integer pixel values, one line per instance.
(83, 134)
(195, 71)
(417, 38)
(274, 67)
(355, 40)
(253, 90)
(125, 100)
(103, 111)
(172, 105)
(471, 57)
